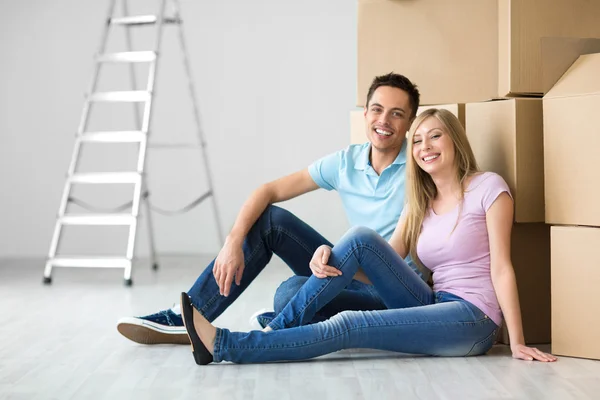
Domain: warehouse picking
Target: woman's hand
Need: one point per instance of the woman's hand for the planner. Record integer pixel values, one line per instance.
(318, 263)
(523, 352)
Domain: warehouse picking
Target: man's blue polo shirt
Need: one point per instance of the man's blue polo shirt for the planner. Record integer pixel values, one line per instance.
(370, 200)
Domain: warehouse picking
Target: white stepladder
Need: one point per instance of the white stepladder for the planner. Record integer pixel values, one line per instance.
(137, 178)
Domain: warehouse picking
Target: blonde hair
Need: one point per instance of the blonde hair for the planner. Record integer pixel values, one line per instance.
(421, 190)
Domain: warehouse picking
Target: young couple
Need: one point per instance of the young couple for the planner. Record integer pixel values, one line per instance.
(361, 293)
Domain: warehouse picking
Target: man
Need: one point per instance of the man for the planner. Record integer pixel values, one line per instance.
(370, 181)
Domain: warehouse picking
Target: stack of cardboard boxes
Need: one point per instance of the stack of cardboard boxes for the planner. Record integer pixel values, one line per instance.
(490, 62)
(572, 182)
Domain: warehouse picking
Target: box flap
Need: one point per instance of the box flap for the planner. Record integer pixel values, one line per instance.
(558, 54)
(582, 78)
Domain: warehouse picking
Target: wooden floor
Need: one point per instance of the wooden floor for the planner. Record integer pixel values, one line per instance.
(60, 342)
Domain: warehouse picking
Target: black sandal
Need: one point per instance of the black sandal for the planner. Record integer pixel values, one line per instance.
(201, 354)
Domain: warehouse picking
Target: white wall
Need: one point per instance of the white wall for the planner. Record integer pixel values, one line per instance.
(275, 81)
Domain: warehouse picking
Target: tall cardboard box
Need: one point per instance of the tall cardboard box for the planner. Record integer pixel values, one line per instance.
(571, 143)
(575, 301)
(530, 254)
(507, 138)
(466, 50)
(357, 120)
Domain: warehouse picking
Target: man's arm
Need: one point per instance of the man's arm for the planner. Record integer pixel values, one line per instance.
(230, 261)
(282, 189)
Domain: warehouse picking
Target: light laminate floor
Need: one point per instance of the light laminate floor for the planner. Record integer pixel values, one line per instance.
(60, 342)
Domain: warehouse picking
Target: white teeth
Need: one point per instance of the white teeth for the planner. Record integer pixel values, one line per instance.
(429, 158)
(382, 132)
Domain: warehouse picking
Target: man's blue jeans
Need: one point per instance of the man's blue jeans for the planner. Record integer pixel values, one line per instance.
(279, 232)
(417, 320)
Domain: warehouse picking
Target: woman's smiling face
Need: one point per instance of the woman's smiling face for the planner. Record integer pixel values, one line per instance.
(433, 149)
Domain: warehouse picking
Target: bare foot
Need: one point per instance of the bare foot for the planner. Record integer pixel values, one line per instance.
(205, 330)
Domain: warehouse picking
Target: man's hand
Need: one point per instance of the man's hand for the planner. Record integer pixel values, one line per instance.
(318, 263)
(229, 264)
(523, 352)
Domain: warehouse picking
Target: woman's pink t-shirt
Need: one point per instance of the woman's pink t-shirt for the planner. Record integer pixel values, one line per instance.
(460, 260)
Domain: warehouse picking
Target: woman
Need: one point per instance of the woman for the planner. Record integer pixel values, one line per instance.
(457, 222)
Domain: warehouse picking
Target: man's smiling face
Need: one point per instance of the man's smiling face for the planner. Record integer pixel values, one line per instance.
(388, 118)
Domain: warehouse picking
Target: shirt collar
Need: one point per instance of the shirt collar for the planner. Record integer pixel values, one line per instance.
(362, 160)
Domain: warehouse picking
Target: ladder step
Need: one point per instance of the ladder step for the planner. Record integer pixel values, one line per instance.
(142, 20)
(128, 56)
(113, 137)
(96, 262)
(125, 96)
(97, 219)
(106, 177)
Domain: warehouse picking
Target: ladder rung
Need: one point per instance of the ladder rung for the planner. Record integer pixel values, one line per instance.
(96, 262)
(97, 219)
(106, 177)
(113, 136)
(142, 20)
(130, 96)
(127, 56)
(174, 146)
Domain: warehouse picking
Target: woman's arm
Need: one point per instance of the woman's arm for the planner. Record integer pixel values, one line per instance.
(499, 219)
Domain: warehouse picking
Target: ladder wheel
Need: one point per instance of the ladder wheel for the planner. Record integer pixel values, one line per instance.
(155, 266)
(47, 280)
(128, 282)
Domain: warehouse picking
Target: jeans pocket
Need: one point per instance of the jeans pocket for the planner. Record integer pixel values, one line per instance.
(484, 345)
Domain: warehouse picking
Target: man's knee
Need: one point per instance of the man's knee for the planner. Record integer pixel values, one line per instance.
(276, 215)
(286, 291)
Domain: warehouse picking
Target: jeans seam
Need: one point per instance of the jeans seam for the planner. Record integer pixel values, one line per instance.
(345, 331)
(291, 236)
(488, 337)
(311, 300)
(387, 264)
(217, 345)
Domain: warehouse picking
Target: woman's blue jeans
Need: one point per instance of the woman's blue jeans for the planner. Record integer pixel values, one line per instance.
(417, 321)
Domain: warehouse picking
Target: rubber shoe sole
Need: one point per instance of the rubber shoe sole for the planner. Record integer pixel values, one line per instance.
(146, 332)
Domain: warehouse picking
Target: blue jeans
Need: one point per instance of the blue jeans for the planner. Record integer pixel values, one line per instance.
(279, 232)
(357, 296)
(417, 321)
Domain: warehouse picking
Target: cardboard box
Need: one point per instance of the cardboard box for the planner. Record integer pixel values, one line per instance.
(558, 54)
(575, 303)
(530, 254)
(571, 141)
(466, 50)
(456, 109)
(507, 138)
(358, 128)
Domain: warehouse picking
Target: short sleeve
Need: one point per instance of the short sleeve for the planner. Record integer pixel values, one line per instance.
(326, 171)
(492, 187)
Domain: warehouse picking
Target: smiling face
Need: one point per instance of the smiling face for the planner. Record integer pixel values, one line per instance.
(432, 147)
(388, 118)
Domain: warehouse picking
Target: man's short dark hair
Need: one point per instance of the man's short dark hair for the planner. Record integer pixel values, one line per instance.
(400, 82)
